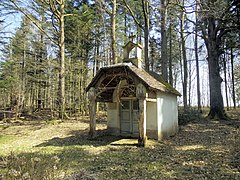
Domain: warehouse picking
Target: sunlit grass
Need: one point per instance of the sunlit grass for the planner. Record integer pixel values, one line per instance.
(191, 147)
(203, 150)
(4, 139)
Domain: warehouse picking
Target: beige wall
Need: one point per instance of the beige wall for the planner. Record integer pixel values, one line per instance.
(167, 115)
(151, 120)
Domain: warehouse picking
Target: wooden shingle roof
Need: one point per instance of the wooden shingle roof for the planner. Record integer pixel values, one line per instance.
(150, 80)
(154, 80)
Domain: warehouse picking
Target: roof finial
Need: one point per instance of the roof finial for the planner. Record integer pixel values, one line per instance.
(132, 36)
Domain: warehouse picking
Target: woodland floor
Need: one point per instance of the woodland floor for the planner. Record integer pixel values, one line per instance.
(39, 149)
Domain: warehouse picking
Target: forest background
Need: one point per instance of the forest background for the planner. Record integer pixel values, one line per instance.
(48, 60)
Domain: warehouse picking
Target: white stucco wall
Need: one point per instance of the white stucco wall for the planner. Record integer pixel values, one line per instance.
(152, 115)
(151, 120)
(167, 115)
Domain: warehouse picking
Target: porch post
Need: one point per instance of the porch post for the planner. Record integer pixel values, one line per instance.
(141, 95)
(92, 111)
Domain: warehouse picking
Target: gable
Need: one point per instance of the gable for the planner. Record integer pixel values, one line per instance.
(107, 79)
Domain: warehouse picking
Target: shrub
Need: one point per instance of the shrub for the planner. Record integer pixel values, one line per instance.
(189, 115)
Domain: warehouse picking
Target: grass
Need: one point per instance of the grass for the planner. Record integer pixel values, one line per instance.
(202, 149)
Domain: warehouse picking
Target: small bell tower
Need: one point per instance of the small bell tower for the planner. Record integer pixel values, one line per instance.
(133, 53)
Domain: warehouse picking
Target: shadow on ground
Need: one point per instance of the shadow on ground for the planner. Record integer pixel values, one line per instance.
(81, 138)
(201, 150)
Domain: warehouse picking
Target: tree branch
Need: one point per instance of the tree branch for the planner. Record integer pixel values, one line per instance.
(108, 11)
(33, 21)
(132, 14)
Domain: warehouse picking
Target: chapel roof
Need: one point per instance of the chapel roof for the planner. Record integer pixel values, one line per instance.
(150, 80)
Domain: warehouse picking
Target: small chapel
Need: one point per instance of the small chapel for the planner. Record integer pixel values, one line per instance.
(139, 103)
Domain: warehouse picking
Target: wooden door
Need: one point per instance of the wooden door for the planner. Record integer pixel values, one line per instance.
(129, 116)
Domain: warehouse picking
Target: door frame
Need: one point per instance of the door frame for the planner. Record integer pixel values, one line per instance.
(133, 125)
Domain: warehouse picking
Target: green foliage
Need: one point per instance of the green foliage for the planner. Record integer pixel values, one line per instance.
(3, 84)
(79, 30)
(29, 74)
(7, 77)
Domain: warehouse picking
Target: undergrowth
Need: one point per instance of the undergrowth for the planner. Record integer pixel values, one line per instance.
(29, 167)
(188, 115)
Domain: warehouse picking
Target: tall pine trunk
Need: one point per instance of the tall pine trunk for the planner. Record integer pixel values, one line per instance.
(113, 17)
(62, 65)
(164, 57)
(40, 101)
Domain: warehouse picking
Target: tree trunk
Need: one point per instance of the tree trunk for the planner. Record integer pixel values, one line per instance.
(62, 65)
(233, 84)
(145, 6)
(164, 57)
(225, 79)
(215, 80)
(23, 78)
(197, 64)
(114, 7)
(170, 56)
(125, 28)
(185, 68)
(216, 100)
(40, 101)
(189, 83)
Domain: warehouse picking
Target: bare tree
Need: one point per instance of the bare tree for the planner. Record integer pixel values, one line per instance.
(197, 61)
(184, 55)
(218, 19)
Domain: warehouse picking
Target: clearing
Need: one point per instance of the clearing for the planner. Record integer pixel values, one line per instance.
(202, 149)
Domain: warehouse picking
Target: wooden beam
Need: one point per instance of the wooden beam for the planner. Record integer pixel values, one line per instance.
(92, 110)
(101, 89)
(141, 95)
(151, 100)
(112, 76)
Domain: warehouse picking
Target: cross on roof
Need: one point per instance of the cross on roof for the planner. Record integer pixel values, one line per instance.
(132, 36)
